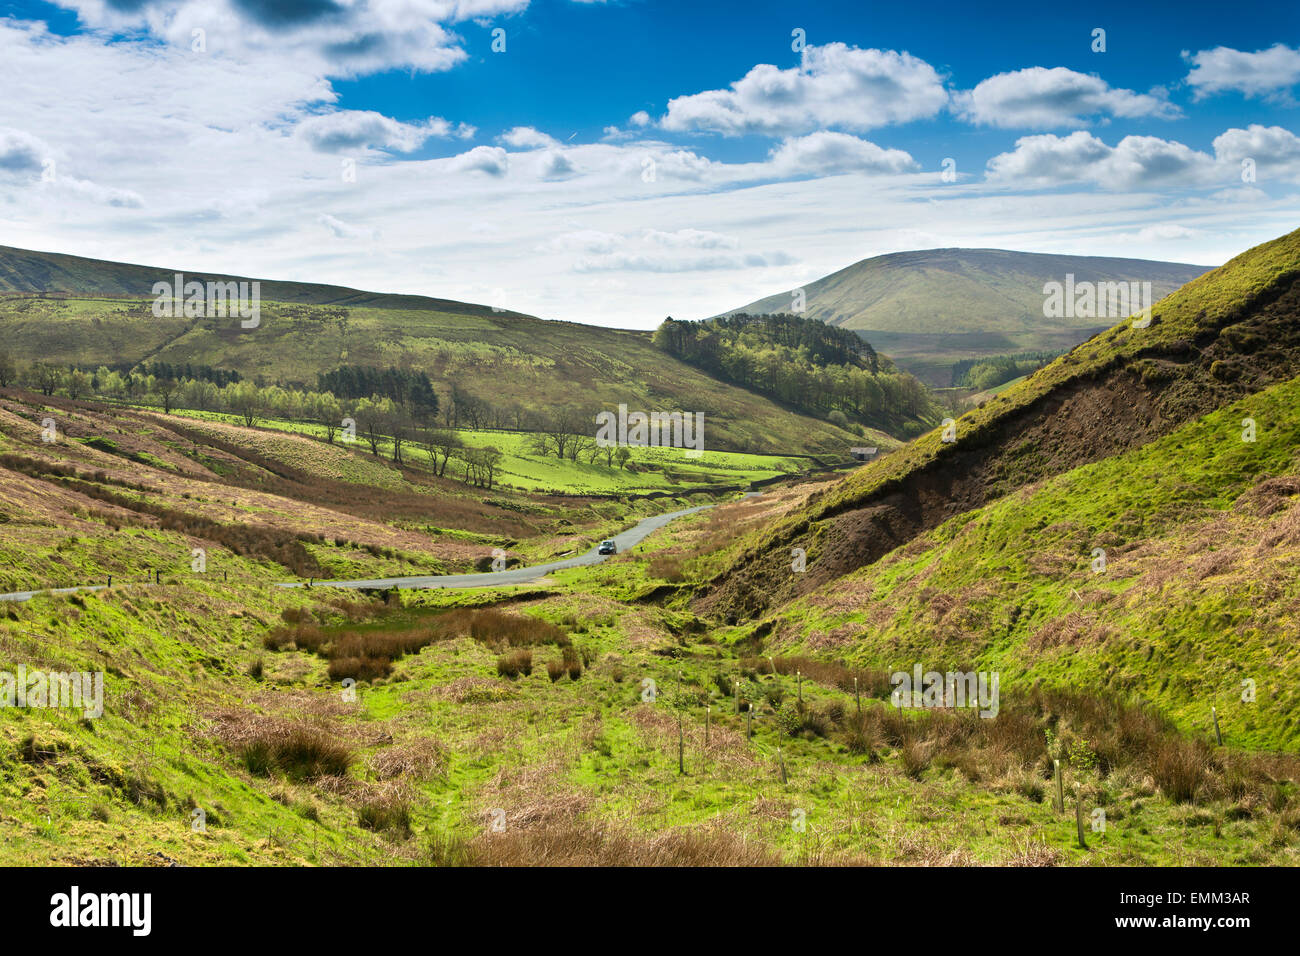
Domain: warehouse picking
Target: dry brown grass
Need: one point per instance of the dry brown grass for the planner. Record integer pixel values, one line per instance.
(420, 759)
(299, 749)
(581, 843)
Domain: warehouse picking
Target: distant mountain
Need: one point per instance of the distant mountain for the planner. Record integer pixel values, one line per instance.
(932, 307)
(23, 270)
(73, 311)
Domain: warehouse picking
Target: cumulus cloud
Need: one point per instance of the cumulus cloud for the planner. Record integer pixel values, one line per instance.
(835, 86)
(1138, 162)
(555, 165)
(492, 160)
(1268, 73)
(826, 153)
(1045, 98)
(366, 129)
(344, 37)
(1274, 151)
(525, 137)
(21, 153)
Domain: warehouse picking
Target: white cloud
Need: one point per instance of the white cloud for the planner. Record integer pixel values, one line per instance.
(525, 137)
(1047, 98)
(827, 153)
(691, 239)
(365, 129)
(1274, 151)
(1269, 73)
(640, 262)
(492, 160)
(22, 155)
(1136, 162)
(835, 86)
(640, 118)
(1140, 162)
(343, 230)
(341, 37)
(556, 165)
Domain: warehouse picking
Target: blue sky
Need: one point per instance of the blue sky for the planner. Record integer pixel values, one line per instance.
(620, 161)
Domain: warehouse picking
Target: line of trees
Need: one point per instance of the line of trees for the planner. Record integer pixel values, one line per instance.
(379, 421)
(817, 368)
(993, 370)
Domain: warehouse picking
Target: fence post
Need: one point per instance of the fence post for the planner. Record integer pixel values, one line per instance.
(1218, 734)
(1060, 787)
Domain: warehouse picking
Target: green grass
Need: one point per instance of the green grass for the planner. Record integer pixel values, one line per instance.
(652, 469)
(1197, 594)
(503, 358)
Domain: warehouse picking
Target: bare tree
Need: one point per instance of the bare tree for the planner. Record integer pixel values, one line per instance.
(8, 370)
(440, 442)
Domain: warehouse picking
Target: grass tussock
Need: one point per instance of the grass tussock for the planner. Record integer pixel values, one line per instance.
(297, 749)
(367, 652)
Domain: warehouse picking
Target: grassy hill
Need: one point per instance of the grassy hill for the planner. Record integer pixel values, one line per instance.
(928, 308)
(1229, 333)
(102, 315)
(1200, 532)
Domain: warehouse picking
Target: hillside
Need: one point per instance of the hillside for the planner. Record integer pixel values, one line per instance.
(1200, 535)
(511, 726)
(1225, 335)
(104, 317)
(929, 308)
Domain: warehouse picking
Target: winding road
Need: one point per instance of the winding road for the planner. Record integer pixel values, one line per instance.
(486, 579)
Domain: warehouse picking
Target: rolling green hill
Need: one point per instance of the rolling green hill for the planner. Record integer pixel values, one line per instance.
(929, 308)
(72, 311)
(1226, 334)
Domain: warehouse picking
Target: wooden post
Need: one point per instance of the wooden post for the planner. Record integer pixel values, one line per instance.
(1078, 815)
(736, 684)
(749, 720)
(1060, 787)
(781, 758)
(708, 713)
(110, 580)
(1218, 734)
(856, 695)
(681, 745)
(799, 681)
